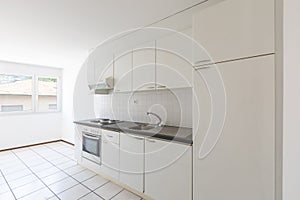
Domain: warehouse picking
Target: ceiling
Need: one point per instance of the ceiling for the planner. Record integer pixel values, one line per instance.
(59, 33)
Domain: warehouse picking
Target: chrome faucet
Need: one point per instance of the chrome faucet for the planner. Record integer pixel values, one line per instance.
(159, 123)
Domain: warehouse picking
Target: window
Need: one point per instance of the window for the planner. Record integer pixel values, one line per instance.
(47, 94)
(20, 93)
(16, 93)
(11, 108)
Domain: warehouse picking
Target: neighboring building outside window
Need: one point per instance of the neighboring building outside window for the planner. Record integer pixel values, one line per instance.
(11, 108)
(47, 94)
(17, 93)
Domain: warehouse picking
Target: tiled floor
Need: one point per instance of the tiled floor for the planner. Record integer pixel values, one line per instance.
(50, 172)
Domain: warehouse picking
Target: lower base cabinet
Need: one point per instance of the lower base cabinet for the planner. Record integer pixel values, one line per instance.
(110, 153)
(168, 170)
(132, 161)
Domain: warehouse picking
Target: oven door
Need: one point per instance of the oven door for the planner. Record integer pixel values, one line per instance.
(91, 147)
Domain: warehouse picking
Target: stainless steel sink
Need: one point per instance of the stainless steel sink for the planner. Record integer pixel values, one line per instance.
(142, 127)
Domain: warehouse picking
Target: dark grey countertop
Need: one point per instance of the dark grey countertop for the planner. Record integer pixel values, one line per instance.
(170, 133)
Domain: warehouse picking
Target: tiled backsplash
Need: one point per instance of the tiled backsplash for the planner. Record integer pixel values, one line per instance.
(174, 106)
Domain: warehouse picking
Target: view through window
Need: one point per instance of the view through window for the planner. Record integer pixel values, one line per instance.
(15, 93)
(47, 94)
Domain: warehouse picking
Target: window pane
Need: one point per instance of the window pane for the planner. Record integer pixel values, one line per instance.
(47, 94)
(15, 93)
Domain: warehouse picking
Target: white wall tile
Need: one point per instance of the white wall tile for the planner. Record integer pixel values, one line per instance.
(175, 107)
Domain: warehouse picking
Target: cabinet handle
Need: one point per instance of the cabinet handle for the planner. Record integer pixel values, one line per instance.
(153, 141)
(201, 61)
(110, 136)
(135, 137)
(138, 138)
(162, 86)
(202, 67)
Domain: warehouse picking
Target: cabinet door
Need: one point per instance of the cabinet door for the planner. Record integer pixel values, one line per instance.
(234, 29)
(123, 72)
(110, 153)
(168, 170)
(78, 142)
(172, 71)
(241, 165)
(144, 67)
(173, 68)
(102, 66)
(132, 161)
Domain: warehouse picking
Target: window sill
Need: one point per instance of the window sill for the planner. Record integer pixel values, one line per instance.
(2, 114)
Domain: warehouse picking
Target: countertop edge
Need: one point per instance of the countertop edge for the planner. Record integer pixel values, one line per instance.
(138, 133)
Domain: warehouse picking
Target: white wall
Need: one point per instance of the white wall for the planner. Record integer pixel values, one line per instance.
(24, 129)
(76, 100)
(291, 135)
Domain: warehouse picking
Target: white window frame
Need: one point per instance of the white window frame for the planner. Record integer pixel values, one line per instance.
(34, 95)
(58, 94)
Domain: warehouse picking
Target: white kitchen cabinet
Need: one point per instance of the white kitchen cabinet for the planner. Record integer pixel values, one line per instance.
(110, 153)
(123, 72)
(168, 170)
(132, 161)
(172, 71)
(78, 141)
(173, 64)
(241, 165)
(234, 29)
(100, 67)
(144, 67)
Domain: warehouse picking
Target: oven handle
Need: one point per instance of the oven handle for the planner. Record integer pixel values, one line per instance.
(90, 136)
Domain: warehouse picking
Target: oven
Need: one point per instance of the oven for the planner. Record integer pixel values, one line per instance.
(91, 145)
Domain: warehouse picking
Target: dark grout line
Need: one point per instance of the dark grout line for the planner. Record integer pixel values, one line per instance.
(62, 170)
(36, 176)
(102, 185)
(67, 174)
(23, 184)
(89, 178)
(89, 194)
(7, 184)
(98, 195)
(81, 183)
(59, 152)
(33, 173)
(117, 194)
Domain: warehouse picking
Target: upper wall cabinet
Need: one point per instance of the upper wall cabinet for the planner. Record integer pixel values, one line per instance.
(144, 66)
(100, 66)
(123, 72)
(234, 29)
(173, 64)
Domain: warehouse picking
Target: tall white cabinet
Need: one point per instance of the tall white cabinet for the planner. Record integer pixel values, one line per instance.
(239, 35)
(235, 29)
(241, 165)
